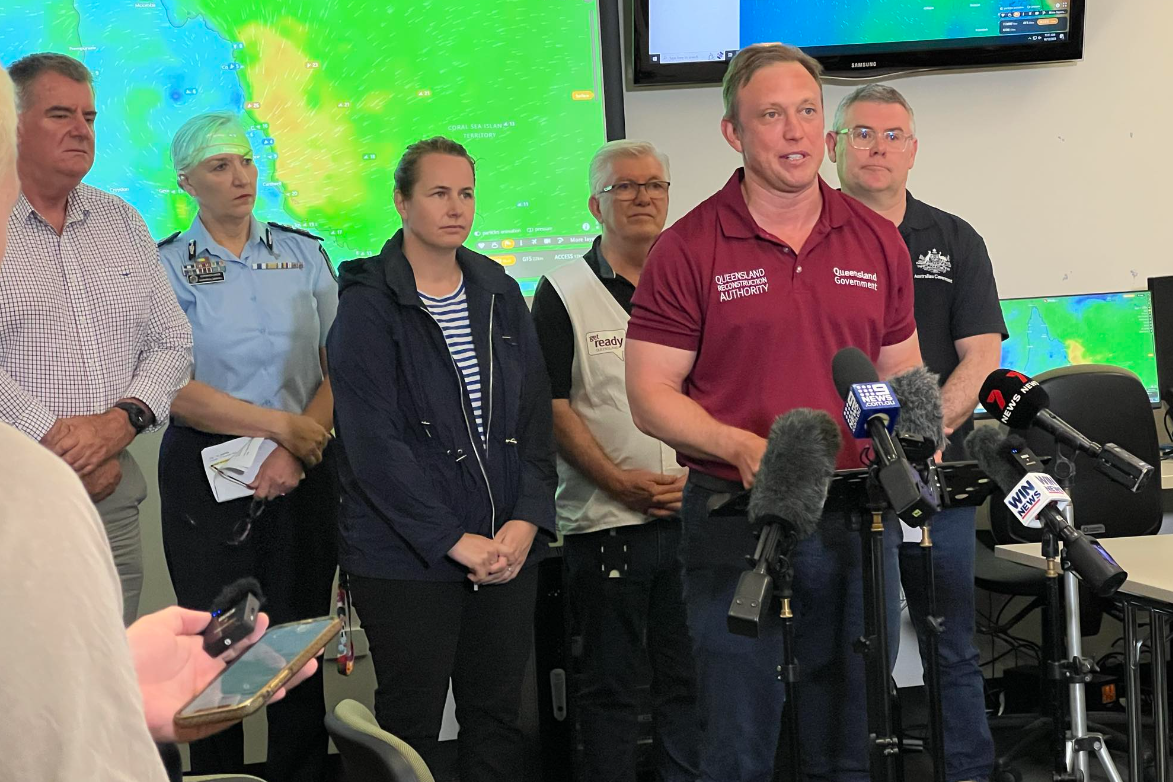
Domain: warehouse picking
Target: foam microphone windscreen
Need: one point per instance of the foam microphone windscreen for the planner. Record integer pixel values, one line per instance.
(850, 366)
(991, 451)
(235, 592)
(796, 470)
(1013, 398)
(919, 393)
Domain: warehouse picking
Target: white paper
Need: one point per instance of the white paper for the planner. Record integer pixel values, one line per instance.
(240, 458)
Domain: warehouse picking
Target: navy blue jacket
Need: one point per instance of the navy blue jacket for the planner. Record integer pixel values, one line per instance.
(415, 476)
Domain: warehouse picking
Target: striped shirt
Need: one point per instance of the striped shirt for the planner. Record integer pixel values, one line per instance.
(451, 312)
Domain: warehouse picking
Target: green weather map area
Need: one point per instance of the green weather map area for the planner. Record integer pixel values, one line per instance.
(332, 92)
(1109, 328)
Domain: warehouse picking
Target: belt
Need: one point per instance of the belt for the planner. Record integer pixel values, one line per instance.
(713, 483)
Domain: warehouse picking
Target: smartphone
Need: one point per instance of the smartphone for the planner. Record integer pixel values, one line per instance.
(251, 679)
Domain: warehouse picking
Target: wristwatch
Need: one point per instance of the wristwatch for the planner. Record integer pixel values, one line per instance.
(140, 419)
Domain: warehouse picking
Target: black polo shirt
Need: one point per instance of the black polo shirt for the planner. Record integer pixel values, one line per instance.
(552, 321)
(955, 293)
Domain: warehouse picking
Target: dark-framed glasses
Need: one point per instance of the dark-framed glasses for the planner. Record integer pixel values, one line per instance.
(242, 528)
(863, 137)
(627, 191)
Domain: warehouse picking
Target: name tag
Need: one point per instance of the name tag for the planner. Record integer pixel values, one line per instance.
(204, 271)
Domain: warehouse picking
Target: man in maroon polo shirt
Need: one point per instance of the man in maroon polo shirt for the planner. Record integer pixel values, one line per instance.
(741, 307)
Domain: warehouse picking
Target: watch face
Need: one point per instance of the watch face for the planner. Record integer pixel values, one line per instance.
(138, 416)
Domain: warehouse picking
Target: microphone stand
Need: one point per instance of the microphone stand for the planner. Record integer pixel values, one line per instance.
(788, 670)
(934, 623)
(884, 746)
(1070, 750)
(772, 576)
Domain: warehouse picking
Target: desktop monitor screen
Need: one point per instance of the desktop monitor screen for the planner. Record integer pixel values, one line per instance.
(1095, 328)
(331, 93)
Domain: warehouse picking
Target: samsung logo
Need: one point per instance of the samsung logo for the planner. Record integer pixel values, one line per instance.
(864, 64)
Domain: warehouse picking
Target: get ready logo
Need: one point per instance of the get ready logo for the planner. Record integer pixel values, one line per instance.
(599, 342)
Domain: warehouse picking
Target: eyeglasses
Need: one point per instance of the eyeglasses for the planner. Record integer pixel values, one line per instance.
(862, 137)
(627, 191)
(242, 528)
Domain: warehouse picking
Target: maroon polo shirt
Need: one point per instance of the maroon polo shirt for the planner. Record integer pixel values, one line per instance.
(765, 322)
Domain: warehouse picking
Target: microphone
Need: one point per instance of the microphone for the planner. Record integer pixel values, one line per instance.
(1032, 495)
(868, 402)
(234, 615)
(787, 501)
(922, 418)
(872, 410)
(1020, 402)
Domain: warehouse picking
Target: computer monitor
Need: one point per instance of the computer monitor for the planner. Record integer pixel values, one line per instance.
(1091, 328)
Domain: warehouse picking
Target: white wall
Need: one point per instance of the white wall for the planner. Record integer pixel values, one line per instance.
(1064, 169)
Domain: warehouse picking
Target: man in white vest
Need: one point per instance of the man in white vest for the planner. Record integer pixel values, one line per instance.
(619, 490)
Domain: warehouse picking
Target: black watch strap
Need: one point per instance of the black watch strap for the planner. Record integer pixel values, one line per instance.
(140, 419)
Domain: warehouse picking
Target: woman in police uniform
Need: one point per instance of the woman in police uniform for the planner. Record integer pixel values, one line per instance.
(260, 298)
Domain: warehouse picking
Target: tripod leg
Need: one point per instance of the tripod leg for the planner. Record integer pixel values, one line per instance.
(1076, 694)
(884, 749)
(933, 673)
(1054, 683)
(1160, 623)
(1132, 667)
(1107, 765)
(789, 675)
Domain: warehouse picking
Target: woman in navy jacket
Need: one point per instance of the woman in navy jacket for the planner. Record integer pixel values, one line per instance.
(442, 412)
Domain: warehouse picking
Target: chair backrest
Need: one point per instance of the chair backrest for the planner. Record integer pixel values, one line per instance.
(1109, 405)
(369, 753)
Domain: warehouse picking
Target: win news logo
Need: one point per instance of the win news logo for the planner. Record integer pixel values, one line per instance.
(1034, 492)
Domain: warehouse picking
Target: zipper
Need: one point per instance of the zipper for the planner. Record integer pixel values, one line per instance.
(489, 419)
(464, 410)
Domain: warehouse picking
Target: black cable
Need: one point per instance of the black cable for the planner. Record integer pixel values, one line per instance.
(1006, 653)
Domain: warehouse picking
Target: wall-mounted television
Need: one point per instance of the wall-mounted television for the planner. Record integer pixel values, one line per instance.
(692, 41)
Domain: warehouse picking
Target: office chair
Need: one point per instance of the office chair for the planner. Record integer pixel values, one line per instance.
(1107, 404)
(369, 753)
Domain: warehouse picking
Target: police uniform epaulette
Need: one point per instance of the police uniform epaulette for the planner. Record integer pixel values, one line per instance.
(291, 229)
(168, 240)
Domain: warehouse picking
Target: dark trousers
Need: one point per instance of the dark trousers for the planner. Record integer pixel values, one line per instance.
(423, 633)
(969, 748)
(291, 550)
(625, 621)
(739, 697)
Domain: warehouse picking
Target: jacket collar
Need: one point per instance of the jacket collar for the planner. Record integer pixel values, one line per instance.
(479, 271)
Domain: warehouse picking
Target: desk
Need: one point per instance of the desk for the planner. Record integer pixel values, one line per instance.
(1148, 560)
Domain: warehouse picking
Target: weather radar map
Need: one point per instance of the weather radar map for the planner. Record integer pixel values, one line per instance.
(332, 92)
(1102, 328)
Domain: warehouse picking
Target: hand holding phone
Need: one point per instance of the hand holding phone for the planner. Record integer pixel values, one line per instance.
(284, 654)
(172, 667)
